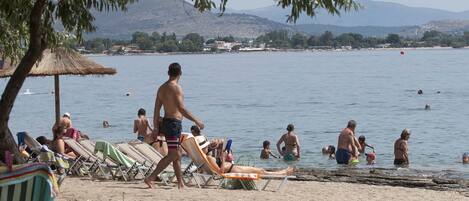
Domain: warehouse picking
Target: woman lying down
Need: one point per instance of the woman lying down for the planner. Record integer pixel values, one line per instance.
(224, 166)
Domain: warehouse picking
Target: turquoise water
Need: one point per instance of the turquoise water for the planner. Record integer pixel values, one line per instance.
(251, 97)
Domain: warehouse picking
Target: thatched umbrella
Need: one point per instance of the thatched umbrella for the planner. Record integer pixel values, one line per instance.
(57, 62)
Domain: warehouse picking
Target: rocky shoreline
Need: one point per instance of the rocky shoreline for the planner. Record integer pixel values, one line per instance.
(386, 177)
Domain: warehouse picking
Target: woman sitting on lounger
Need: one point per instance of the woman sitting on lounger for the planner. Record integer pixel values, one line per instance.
(229, 167)
(58, 144)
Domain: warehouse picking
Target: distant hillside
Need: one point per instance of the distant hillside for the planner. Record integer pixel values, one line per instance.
(180, 17)
(446, 26)
(375, 31)
(374, 14)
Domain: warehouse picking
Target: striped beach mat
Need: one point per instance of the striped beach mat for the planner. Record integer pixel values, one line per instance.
(30, 182)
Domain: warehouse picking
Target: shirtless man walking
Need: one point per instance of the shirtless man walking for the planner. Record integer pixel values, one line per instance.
(171, 97)
(348, 145)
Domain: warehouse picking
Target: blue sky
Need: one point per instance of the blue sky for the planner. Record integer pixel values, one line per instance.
(452, 5)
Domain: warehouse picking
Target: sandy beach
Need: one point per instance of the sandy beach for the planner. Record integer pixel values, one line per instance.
(74, 189)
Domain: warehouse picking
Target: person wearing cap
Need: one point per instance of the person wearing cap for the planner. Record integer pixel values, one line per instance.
(401, 149)
(66, 120)
(228, 167)
(465, 158)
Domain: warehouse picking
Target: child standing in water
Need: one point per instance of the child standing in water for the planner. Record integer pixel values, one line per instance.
(363, 144)
(141, 125)
(266, 152)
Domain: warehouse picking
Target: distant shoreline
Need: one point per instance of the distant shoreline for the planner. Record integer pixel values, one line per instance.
(275, 50)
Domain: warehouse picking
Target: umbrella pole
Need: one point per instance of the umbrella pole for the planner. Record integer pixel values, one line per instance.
(57, 98)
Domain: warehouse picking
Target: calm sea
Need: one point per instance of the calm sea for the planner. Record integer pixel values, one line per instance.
(251, 97)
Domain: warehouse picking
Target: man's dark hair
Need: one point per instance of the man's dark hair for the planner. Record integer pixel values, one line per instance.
(195, 129)
(265, 144)
(141, 112)
(351, 124)
(174, 70)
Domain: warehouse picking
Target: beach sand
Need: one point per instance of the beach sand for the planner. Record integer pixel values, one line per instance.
(84, 189)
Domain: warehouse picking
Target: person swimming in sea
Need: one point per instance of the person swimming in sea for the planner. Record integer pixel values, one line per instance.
(292, 144)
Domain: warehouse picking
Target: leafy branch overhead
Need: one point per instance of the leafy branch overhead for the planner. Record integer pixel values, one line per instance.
(309, 7)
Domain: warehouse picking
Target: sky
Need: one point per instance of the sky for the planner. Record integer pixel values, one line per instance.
(451, 5)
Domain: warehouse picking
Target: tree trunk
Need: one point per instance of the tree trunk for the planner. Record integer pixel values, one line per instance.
(35, 49)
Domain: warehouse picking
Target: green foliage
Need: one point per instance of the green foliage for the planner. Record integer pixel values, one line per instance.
(143, 40)
(326, 39)
(276, 39)
(228, 39)
(167, 46)
(311, 6)
(187, 46)
(299, 41)
(394, 39)
(74, 16)
(156, 37)
(196, 40)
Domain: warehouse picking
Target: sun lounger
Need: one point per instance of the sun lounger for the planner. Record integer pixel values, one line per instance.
(110, 164)
(200, 160)
(87, 161)
(154, 156)
(133, 153)
(32, 181)
(31, 143)
(127, 166)
(43, 154)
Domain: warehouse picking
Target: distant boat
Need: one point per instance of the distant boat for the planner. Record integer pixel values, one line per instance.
(27, 92)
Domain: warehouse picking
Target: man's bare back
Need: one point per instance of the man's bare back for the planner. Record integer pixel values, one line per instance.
(347, 145)
(345, 140)
(169, 94)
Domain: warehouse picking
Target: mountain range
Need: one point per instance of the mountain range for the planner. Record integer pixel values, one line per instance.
(373, 13)
(180, 17)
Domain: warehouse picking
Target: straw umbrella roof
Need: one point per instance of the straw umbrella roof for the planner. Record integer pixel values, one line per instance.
(61, 61)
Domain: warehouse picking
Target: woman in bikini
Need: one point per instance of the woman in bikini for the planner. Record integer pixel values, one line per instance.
(228, 167)
(292, 144)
